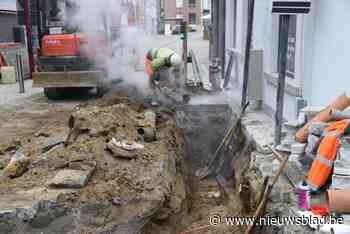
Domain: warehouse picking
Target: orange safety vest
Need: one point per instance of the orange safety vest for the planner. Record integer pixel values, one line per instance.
(322, 165)
(148, 67)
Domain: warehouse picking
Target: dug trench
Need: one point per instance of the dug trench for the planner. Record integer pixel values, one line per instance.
(83, 188)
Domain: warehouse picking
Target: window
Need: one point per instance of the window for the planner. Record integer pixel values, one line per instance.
(292, 39)
(192, 3)
(192, 18)
(179, 3)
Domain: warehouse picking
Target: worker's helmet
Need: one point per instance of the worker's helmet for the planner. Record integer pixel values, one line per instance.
(175, 60)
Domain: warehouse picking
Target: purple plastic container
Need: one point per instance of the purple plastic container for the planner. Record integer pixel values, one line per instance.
(304, 196)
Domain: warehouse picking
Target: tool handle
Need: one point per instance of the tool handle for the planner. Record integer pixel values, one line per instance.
(268, 190)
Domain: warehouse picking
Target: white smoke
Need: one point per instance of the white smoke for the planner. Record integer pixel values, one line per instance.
(122, 56)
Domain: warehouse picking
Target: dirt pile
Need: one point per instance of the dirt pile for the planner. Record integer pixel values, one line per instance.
(82, 188)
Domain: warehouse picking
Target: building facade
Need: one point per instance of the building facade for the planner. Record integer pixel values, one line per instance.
(189, 10)
(192, 11)
(148, 15)
(8, 20)
(317, 55)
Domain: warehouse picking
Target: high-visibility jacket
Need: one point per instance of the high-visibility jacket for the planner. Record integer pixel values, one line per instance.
(322, 165)
(160, 57)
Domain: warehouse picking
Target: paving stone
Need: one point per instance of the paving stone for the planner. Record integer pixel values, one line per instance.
(70, 179)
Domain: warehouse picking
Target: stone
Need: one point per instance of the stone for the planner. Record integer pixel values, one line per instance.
(70, 179)
(124, 149)
(17, 166)
(298, 148)
(41, 134)
(342, 164)
(117, 201)
(340, 182)
(313, 143)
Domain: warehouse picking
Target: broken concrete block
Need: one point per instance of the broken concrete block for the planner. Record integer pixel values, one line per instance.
(340, 182)
(124, 149)
(70, 179)
(298, 148)
(17, 166)
(342, 164)
(148, 126)
(313, 143)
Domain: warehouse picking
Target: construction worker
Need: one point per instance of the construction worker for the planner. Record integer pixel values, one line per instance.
(163, 67)
(322, 165)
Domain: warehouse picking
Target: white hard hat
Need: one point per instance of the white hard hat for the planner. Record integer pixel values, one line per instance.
(175, 60)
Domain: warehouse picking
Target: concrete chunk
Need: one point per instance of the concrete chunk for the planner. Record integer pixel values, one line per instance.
(70, 179)
(340, 182)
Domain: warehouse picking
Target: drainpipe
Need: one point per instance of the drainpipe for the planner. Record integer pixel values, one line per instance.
(251, 4)
(214, 66)
(222, 36)
(29, 37)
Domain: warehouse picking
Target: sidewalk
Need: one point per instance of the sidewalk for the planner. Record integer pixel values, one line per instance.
(9, 93)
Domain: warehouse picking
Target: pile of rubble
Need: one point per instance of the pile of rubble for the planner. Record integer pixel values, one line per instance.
(119, 170)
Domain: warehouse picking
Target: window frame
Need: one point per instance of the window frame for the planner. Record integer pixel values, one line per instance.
(299, 50)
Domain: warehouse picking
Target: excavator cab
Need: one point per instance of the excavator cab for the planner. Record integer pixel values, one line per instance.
(64, 59)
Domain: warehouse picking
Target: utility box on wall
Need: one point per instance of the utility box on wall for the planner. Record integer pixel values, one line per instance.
(256, 73)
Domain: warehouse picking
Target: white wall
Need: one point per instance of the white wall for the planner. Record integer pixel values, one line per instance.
(331, 52)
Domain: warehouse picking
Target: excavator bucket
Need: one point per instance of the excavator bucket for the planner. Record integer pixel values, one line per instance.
(67, 79)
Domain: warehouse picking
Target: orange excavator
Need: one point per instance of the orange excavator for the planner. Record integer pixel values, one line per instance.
(65, 59)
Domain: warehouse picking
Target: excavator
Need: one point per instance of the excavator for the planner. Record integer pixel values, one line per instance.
(65, 60)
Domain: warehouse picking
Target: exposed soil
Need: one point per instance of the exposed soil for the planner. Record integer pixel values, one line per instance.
(157, 192)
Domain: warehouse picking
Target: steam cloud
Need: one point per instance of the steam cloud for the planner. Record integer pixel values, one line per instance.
(122, 57)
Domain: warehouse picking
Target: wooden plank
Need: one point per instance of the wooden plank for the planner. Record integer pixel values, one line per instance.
(67, 79)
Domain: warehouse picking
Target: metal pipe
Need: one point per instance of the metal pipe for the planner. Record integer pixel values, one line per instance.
(185, 50)
(214, 75)
(229, 69)
(195, 67)
(282, 62)
(29, 37)
(251, 4)
(222, 36)
(39, 22)
(215, 28)
(20, 77)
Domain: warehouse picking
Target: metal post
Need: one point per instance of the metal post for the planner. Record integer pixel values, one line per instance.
(222, 35)
(215, 74)
(229, 69)
(185, 49)
(215, 28)
(20, 77)
(211, 33)
(29, 36)
(39, 22)
(282, 62)
(251, 4)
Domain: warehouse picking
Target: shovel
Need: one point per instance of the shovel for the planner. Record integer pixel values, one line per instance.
(218, 156)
